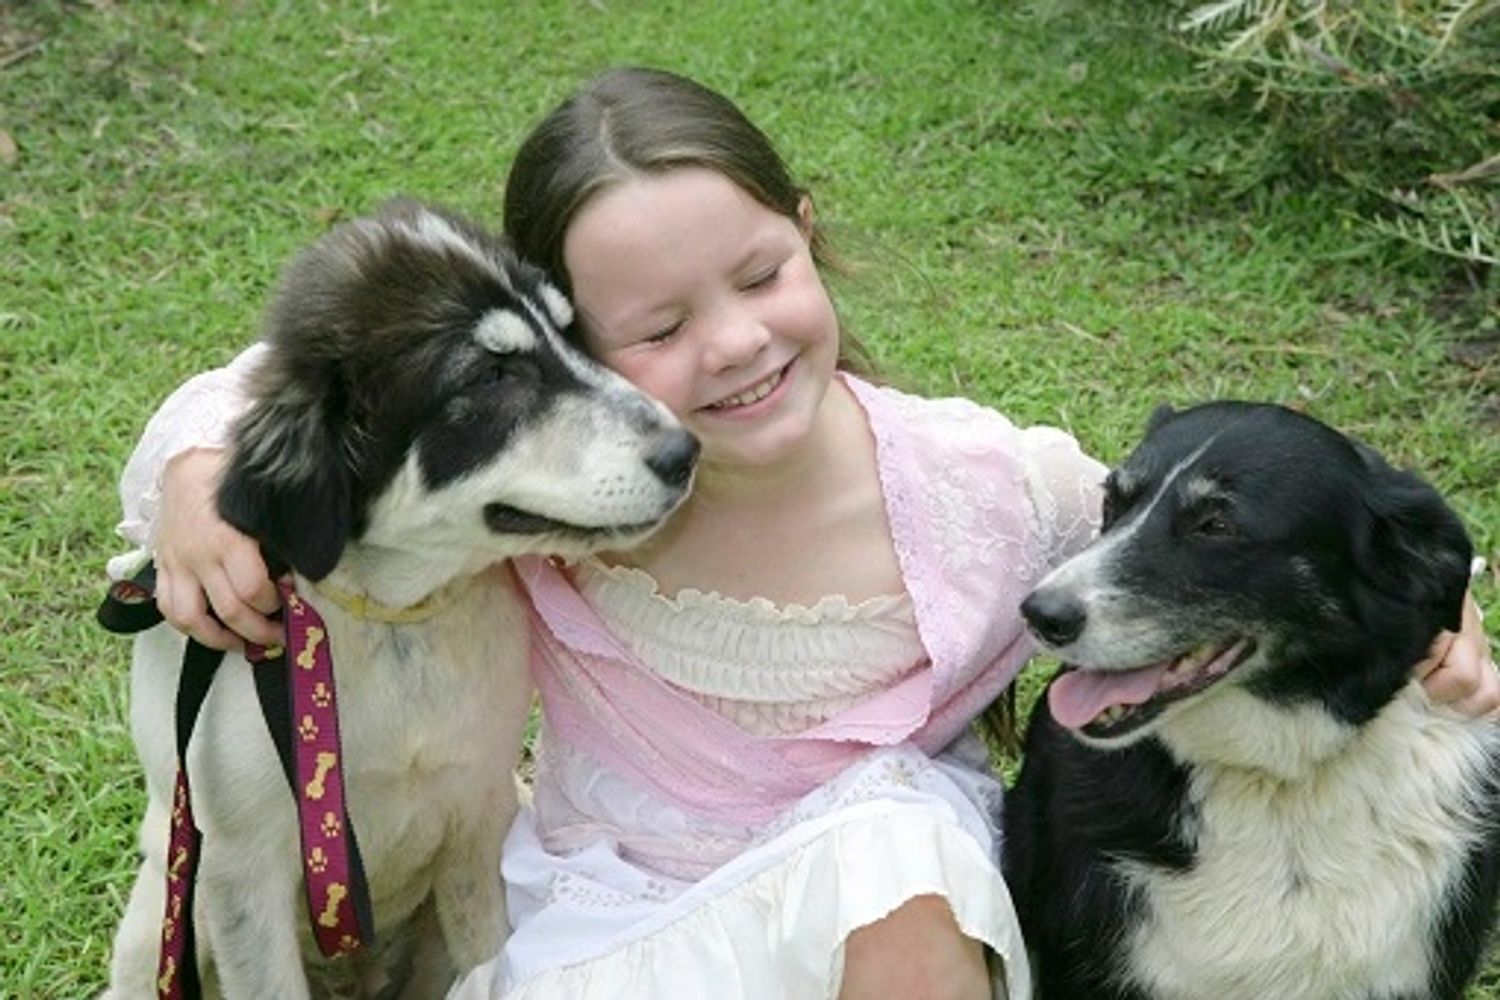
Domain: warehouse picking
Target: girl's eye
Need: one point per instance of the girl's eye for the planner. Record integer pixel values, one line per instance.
(663, 334)
(763, 279)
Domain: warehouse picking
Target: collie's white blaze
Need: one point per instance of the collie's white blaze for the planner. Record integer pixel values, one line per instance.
(1323, 885)
(503, 332)
(1133, 523)
(1116, 635)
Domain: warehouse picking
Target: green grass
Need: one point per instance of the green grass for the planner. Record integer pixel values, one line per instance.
(1048, 222)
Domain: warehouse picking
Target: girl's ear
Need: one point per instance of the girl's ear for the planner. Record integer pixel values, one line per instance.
(805, 216)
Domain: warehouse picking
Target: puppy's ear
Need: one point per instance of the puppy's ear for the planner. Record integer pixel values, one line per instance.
(1159, 416)
(1416, 549)
(288, 483)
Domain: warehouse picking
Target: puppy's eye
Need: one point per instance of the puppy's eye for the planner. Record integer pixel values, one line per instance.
(1215, 525)
(514, 369)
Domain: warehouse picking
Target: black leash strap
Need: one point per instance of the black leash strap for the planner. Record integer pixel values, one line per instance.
(130, 606)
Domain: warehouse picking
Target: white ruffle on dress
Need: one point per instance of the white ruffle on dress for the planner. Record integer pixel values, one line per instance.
(614, 892)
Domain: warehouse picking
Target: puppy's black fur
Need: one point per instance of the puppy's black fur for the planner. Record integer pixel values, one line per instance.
(1241, 523)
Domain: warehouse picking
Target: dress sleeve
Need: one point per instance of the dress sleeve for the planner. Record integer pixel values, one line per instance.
(1064, 486)
(199, 414)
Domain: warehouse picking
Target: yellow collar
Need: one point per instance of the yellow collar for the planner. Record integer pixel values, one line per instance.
(365, 608)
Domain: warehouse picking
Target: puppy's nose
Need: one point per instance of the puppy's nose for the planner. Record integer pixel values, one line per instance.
(673, 457)
(1056, 616)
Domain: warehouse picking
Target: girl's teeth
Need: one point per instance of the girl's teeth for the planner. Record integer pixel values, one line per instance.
(751, 395)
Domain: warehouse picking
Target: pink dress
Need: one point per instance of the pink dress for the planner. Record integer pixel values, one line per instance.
(726, 789)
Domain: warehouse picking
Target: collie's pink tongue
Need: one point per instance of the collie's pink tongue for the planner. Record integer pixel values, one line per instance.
(1078, 696)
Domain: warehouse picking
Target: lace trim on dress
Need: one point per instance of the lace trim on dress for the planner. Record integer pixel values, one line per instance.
(833, 607)
(768, 668)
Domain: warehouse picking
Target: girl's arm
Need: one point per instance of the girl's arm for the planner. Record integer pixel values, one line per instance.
(168, 494)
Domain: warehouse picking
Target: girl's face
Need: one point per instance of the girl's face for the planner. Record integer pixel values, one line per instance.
(709, 301)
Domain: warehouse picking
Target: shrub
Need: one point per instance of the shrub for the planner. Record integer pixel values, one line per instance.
(1396, 97)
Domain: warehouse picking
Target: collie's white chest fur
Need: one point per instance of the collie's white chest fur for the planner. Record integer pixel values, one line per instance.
(1334, 876)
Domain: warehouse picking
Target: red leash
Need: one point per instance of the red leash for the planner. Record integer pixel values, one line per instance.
(333, 872)
(295, 685)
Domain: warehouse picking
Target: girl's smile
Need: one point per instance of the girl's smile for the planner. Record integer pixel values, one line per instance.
(745, 405)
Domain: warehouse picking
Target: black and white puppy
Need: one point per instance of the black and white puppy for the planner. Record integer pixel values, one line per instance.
(418, 418)
(1234, 788)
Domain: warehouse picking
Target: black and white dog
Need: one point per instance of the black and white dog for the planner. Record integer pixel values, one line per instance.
(1234, 788)
(417, 418)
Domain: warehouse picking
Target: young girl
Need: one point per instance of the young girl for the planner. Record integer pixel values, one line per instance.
(754, 777)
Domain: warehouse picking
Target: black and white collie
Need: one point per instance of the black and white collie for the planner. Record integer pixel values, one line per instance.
(1234, 788)
(417, 419)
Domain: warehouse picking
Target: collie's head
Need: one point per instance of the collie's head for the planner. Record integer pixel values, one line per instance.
(419, 399)
(1251, 559)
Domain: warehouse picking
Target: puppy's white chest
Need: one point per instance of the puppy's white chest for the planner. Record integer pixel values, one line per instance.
(1323, 888)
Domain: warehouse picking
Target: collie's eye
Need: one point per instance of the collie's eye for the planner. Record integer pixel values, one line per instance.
(1214, 526)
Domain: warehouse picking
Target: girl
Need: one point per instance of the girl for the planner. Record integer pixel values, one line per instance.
(754, 776)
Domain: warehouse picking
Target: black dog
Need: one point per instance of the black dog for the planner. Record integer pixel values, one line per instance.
(1234, 788)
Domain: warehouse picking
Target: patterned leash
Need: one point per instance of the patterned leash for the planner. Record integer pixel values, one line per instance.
(338, 897)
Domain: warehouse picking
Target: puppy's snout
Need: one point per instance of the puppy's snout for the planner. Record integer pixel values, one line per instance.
(1057, 617)
(673, 457)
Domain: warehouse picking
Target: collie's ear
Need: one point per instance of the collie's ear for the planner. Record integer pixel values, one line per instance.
(1416, 549)
(287, 484)
(1159, 416)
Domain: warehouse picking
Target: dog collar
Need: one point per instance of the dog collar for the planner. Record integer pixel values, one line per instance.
(366, 608)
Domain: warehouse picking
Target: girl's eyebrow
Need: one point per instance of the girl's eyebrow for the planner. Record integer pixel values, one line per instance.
(759, 247)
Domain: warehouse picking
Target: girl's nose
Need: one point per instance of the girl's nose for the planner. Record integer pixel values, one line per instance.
(737, 338)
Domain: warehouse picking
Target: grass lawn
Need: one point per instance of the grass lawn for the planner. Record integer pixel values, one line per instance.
(1046, 220)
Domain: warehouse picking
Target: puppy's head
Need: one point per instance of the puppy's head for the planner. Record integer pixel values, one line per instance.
(418, 397)
(1248, 547)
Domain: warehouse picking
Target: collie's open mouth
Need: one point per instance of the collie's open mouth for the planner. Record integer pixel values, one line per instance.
(1111, 703)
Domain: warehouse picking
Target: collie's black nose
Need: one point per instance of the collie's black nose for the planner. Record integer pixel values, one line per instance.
(674, 457)
(1055, 616)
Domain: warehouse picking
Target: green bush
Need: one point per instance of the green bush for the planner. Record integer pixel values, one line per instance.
(1396, 97)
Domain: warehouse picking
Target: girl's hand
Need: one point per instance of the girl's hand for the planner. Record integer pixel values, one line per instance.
(202, 562)
(1459, 672)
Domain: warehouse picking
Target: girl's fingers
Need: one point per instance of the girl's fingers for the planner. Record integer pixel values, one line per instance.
(249, 578)
(245, 621)
(183, 605)
(1435, 656)
(1460, 672)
